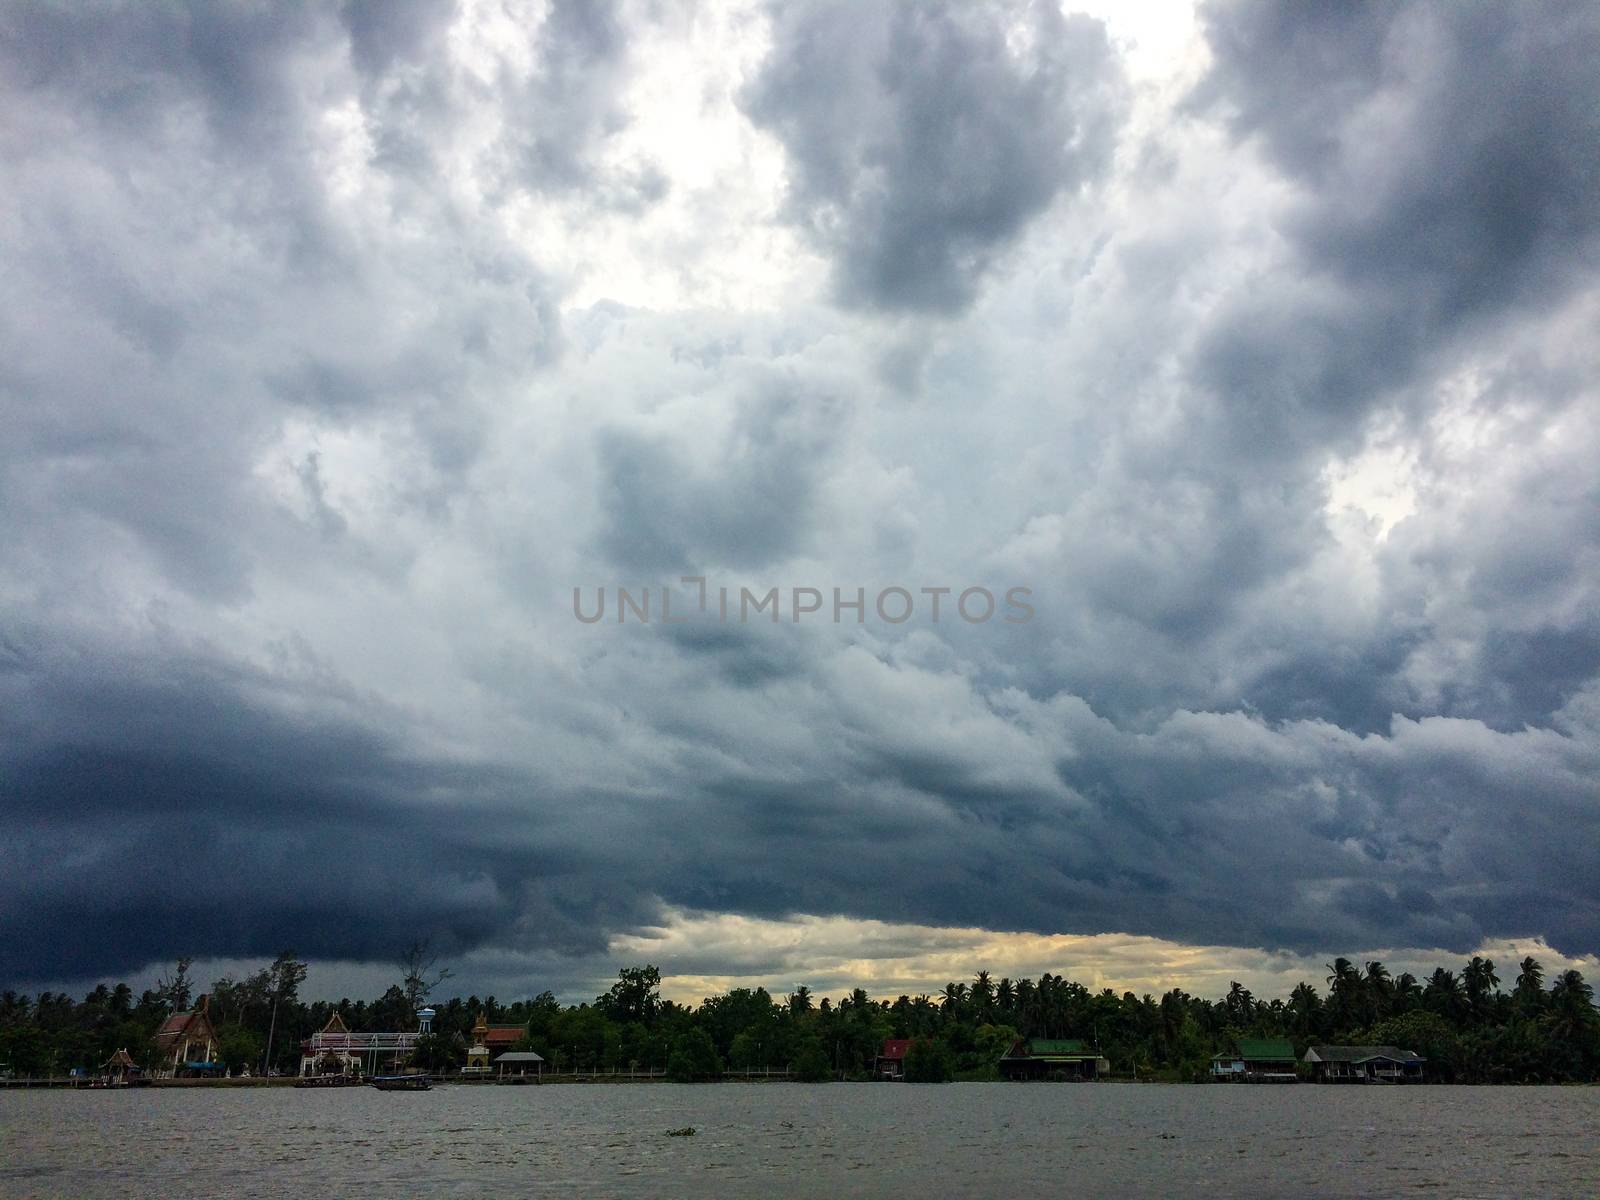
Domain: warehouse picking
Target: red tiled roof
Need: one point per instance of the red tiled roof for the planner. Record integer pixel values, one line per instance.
(504, 1035)
(895, 1048)
(173, 1026)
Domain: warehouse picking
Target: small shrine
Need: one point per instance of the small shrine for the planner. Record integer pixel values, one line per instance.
(478, 1052)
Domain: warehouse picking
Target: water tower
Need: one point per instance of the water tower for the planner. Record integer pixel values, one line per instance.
(425, 1020)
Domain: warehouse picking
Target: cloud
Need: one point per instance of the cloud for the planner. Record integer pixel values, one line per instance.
(1448, 163)
(923, 139)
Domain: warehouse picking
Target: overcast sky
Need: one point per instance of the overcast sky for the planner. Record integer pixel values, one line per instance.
(340, 343)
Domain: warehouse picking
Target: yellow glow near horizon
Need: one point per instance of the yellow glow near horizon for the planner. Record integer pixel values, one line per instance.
(832, 955)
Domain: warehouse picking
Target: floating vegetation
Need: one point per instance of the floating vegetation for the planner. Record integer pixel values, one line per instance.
(686, 1131)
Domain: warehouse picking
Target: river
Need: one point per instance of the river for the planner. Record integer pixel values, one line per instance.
(795, 1140)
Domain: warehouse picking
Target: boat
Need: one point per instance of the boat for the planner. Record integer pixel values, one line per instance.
(328, 1081)
(402, 1083)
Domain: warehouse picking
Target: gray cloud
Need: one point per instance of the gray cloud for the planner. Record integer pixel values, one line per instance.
(921, 143)
(1451, 165)
(739, 497)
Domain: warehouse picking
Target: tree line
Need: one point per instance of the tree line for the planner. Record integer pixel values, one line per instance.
(1470, 1026)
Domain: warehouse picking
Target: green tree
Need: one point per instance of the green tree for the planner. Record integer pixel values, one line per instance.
(694, 1058)
(811, 1062)
(635, 996)
(238, 1049)
(439, 1053)
(929, 1060)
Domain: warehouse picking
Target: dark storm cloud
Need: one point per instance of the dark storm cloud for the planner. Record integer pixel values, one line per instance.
(921, 144)
(210, 822)
(1450, 157)
(173, 798)
(1445, 169)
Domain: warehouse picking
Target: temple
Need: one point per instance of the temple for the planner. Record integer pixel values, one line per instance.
(489, 1042)
(188, 1043)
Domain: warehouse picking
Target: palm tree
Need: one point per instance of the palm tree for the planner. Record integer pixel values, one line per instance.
(1344, 989)
(1529, 994)
(1027, 1006)
(981, 994)
(800, 1000)
(1005, 996)
(955, 997)
(1305, 1006)
(1480, 982)
(1570, 995)
(1407, 991)
(1241, 1005)
(1377, 989)
(1444, 994)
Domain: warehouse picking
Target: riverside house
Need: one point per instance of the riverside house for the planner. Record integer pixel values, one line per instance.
(1256, 1060)
(1052, 1058)
(1364, 1064)
(891, 1060)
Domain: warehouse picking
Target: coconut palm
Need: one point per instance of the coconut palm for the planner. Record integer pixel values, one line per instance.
(1241, 1005)
(1305, 1006)
(1377, 991)
(955, 996)
(1407, 992)
(1444, 994)
(1572, 998)
(1344, 991)
(1529, 993)
(981, 995)
(1005, 996)
(1481, 985)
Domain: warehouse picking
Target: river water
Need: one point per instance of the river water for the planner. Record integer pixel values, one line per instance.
(792, 1140)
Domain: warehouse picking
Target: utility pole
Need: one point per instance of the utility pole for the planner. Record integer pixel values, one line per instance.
(271, 1029)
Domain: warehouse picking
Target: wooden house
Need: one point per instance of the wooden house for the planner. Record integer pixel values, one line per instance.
(1256, 1060)
(891, 1060)
(1052, 1058)
(1364, 1064)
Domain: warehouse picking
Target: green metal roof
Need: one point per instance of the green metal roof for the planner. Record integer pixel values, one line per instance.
(1044, 1047)
(1261, 1050)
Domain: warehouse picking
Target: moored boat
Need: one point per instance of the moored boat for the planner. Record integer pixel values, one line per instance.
(402, 1083)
